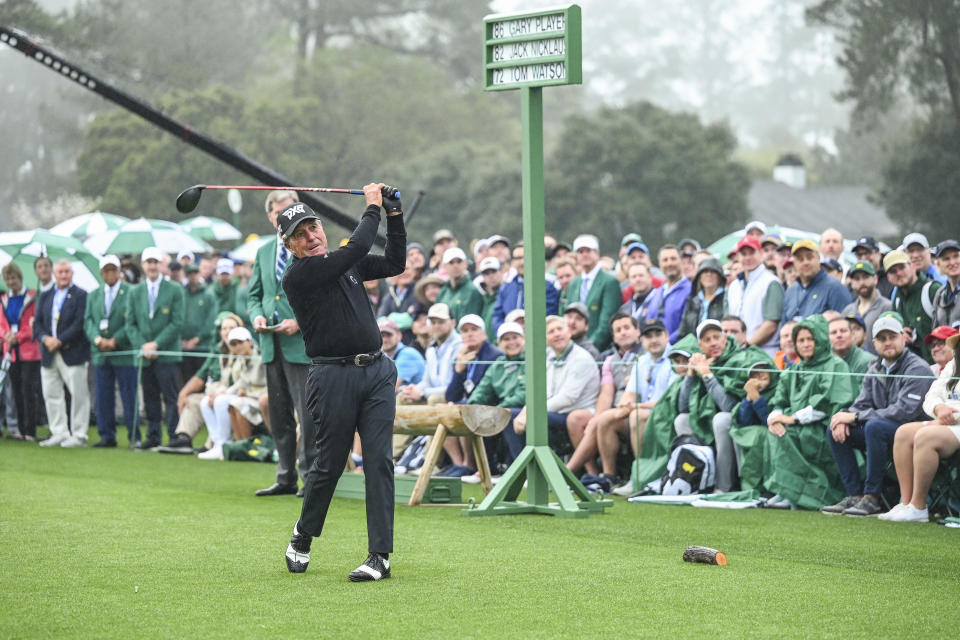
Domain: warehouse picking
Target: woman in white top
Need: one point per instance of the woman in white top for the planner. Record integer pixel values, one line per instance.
(919, 446)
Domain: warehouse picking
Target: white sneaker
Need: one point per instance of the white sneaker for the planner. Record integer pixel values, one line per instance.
(472, 478)
(399, 470)
(214, 453)
(54, 441)
(892, 514)
(625, 490)
(73, 442)
(910, 513)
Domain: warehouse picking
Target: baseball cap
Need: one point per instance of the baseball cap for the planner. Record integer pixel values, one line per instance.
(749, 241)
(151, 253)
(109, 260)
(495, 238)
(708, 324)
(952, 341)
(386, 325)
(755, 224)
(894, 258)
(578, 307)
(629, 238)
(786, 245)
(856, 317)
(452, 254)
(442, 234)
(509, 327)
(807, 244)
(652, 325)
(193, 267)
(290, 217)
(916, 238)
(867, 242)
(516, 314)
(586, 241)
(683, 353)
(946, 245)
(474, 319)
(175, 266)
(772, 238)
(239, 333)
(888, 322)
(489, 263)
(691, 242)
(439, 311)
(940, 333)
(185, 253)
(480, 245)
(831, 264)
(863, 266)
(224, 265)
(637, 245)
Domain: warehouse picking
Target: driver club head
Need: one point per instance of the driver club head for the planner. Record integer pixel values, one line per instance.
(188, 199)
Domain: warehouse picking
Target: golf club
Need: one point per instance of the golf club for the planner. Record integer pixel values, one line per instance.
(188, 199)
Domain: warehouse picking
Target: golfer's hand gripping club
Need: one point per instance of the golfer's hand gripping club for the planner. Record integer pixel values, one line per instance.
(391, 199)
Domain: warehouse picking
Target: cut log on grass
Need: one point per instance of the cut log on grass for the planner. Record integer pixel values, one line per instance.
(706, 555)
(459, 419)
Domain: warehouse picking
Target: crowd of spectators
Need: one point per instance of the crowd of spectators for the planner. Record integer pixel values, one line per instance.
(784, 357)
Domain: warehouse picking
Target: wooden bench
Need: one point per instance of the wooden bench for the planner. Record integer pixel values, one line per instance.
(442, 420)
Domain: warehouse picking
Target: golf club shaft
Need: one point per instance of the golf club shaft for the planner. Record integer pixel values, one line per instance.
(356, 192)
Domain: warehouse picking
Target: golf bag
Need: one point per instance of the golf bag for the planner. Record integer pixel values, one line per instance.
(691, 468)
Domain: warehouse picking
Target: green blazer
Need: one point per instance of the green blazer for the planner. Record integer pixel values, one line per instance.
(165, 325)
(603, 300)
(267, 298)
(116, 328)
(199, 317)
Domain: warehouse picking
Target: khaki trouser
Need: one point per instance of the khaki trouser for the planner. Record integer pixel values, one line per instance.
(191, 420)
(53, 379)
(401, 442)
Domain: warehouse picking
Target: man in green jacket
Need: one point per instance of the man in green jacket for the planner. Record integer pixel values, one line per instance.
(224, 287)
(200, 314)
(154, 321)
(504, 383)
(105, 325)
(491, 279)
(284, 355)
(857, 359)
(596, 288)
(459, 293)
(913, 298)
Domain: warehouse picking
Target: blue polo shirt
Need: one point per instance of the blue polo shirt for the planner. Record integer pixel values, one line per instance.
(824, 292)
(456, 390)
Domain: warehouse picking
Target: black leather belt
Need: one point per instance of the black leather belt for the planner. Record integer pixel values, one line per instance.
(359, 360)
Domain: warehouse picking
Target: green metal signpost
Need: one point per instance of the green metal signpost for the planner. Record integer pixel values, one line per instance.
(528, 51)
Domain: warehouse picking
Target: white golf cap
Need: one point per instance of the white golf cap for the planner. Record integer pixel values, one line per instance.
(516, 314)
(439, 311)
(916, 238)
(239, 333)
(474, 319)
(509, 327)
(151, 253)
(708, 324)
(185, 253)
(480, 245)
(452, 254)
(887, 322)
(489, 263)
(224, 265)
(109, 261)
(586, 241)
(755, 224)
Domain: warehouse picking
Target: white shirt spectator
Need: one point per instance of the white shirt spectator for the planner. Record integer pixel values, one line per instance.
(573, 381)
(439, 370)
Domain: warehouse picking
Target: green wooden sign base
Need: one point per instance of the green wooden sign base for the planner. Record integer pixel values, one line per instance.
(545, 473)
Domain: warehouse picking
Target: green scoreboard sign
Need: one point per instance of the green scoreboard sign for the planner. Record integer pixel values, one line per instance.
(532, 49)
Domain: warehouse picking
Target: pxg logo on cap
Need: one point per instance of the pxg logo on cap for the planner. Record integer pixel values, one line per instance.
(289, 218)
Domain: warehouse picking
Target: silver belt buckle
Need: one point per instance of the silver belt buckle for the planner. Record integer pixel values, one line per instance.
(356, 360)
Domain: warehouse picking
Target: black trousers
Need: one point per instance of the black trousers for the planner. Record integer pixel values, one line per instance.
(287, 386)
(345, 399)
(159, 380)
(25, 378)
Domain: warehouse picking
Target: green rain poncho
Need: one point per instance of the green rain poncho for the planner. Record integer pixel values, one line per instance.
(659, 431)
(752, 438)
(799, 465)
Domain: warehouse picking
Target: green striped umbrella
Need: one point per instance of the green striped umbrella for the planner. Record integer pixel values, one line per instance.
(23, 247)
(137, 235)
(209, 229)
(89, 224)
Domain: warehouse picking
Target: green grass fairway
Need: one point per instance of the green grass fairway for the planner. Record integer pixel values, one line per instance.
(115, 543)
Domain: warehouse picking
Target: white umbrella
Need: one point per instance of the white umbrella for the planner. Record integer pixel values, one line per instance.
(23, 247)
(137, 235)
(89, 224)
(209, 229)
(247, 252)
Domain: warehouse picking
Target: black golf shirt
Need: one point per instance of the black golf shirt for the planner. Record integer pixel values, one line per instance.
(327, 295)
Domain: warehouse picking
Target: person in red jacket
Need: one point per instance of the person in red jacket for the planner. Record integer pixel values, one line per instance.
(23, 351)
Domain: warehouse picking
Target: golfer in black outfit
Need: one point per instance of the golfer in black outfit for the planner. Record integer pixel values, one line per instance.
(351, 384)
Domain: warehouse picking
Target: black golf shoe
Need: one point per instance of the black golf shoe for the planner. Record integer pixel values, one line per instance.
(375, 567)
(298, 551)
